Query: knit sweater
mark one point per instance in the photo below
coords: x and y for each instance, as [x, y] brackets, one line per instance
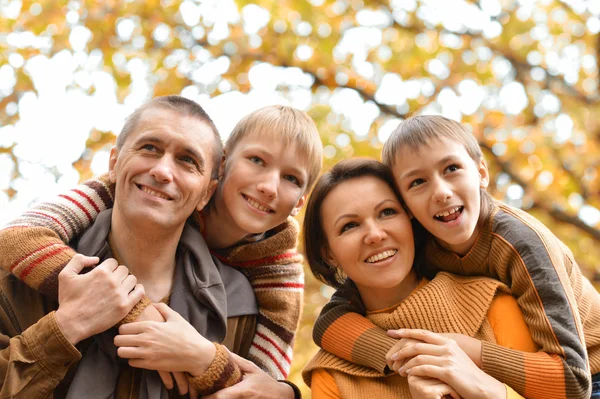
[560, 306]
[446, 304]
[34, 249]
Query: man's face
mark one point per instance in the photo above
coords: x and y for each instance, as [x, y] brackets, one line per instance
[163, 171]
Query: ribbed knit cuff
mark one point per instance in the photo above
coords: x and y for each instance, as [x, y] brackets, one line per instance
[221, 373]
[502, 364]
[136, 311]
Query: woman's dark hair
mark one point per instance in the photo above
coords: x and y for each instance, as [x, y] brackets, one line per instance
[312, 231]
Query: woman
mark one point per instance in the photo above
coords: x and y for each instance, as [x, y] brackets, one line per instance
[366, 243]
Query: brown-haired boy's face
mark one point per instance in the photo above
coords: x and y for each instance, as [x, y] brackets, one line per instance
[440, 184]
[264, 183]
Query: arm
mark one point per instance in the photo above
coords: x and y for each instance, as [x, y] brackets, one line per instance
[363, 342]
[544, 278]
[35, 245]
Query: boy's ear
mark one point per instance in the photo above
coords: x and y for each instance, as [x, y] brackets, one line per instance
[212, 186]
[222, 165]
[484, 174]
[112, 161]
[298, 205]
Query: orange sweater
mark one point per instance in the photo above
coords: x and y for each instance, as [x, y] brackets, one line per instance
[506, 320]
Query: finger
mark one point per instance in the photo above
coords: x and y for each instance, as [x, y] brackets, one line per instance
[136, 294]
[120, 273]
[166, 378]
[137, 327]
[245, 365]
[129, 283]
[422, 360]
[182, 383]
[419, 349]
[125, 340]
[193, 392]
[428, 370]
[421, 335]
[109, 264]
[130, 352]
[166, 311]
[80, 262]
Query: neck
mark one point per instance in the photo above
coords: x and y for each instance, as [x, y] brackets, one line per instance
[220, 230]
[378, 298]
[148, 251]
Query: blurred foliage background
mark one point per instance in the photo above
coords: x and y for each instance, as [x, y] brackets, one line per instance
[523, 74]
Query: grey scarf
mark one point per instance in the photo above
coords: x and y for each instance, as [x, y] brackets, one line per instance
[198, 296]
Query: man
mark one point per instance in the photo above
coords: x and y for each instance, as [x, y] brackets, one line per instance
[164, 166]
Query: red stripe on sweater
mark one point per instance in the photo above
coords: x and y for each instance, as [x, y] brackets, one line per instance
[266, 352]
[285, 356]
[79, 206]
[278, 285]
[251, 263]
[89, 199]
[29, 254]
[49, 217]
[32, 266]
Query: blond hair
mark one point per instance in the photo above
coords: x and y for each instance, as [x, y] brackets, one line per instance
[292, 126]
[418, 131]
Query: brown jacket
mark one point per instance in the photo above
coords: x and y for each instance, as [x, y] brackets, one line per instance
[37, 361]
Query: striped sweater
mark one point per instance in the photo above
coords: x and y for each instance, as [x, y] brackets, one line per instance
[34, 249]
[560, 306]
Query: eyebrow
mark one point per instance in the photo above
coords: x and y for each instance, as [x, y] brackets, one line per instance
[415, 172]
[351, 215]
[189, 150]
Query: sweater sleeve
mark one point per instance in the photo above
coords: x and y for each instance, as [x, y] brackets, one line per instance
[35, 245]
[343, 330]
[544, 279]
[279, 291]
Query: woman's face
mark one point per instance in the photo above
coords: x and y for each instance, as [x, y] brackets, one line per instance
[369, 236]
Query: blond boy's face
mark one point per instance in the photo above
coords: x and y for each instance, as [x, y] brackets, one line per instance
[264, 183]
[440, 184]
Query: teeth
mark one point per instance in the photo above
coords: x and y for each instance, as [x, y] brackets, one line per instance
[257, 205]
[154, 193]
[450, 212]
[380, 256]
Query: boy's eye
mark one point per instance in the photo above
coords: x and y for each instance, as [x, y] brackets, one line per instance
[452, 168]
[348, 226]
[416, 182]
[388, 212]
[256, 160]
[293, 179]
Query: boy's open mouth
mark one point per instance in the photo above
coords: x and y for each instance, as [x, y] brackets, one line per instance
[449, 215]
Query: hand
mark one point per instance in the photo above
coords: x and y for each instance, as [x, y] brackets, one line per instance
[173, 345]
[429, 388]
[150, 313]
[392, 359]
[256, 384]
[442, 358]
[93, 302]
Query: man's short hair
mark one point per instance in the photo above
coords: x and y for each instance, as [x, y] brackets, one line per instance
[291, 125]
[184, 107]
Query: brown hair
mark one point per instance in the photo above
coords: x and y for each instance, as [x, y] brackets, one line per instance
[313, 232]
[184, 107]
[291, 125]
[419, 131]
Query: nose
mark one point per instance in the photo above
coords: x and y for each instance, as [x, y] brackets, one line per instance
[375, 233]
[442, 191]
[162, 171]
[268, 184]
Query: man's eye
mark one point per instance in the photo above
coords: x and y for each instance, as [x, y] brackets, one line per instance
[292, 179]
[188, 159]
[149, 147]
[416, 182]
[256, 160]
[348, 226]
[388, 212]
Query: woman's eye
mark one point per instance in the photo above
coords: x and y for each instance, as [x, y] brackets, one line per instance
[292, 179]
[388, 212]
[416, 182]
[348, 226]
[256, 160]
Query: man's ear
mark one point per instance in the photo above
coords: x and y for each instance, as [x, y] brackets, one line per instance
[484, 174]
[112, 161]
[210, 190]
[298, 205]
